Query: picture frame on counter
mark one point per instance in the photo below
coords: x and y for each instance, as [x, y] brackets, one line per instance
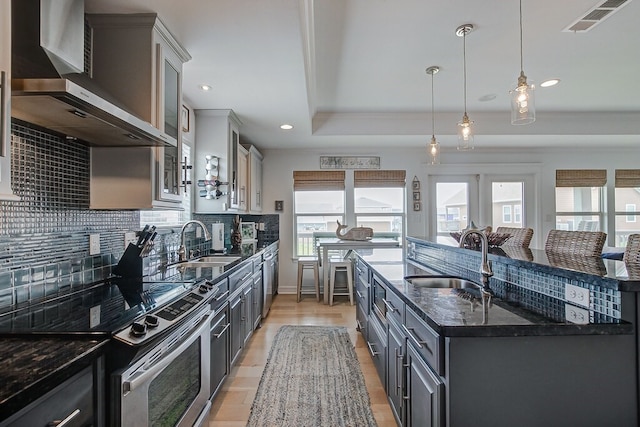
[184, 118]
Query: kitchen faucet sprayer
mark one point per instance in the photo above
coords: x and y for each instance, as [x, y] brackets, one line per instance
[485, 266]
[182, 251]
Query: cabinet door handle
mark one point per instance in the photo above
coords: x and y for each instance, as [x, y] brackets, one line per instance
[359, 294]
[219, 297]
[218, 335]
[359, 325]
[65, 421]
[373, 352]
[399, 356]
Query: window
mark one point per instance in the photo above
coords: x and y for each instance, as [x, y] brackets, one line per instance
[452, 209]
[318, 202]
[506, 214]
[630, 207]
[379, 201]
[627, 200]
[506, 203]
[580, 199]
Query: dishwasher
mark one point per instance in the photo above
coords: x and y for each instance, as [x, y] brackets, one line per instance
[269, 271]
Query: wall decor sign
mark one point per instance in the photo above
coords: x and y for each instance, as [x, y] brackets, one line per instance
[417, 206]
[349, 162]
[279, 205]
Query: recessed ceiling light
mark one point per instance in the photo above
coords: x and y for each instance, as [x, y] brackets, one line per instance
[205, 87]
[286, 127]
[550, 82]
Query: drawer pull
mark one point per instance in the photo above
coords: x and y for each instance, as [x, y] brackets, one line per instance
[219, 297]
[67, 420]
[390, 306]
[359, 325]
[411, 334]
[373, 352]
[359, 294]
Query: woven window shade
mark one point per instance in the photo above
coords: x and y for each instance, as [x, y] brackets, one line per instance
[627, 178]
[379, 178]
[318, 180]
[581, 177]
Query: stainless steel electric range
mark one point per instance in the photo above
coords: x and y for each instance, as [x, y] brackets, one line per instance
[159, 355]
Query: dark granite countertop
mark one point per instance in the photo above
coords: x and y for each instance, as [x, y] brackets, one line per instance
[33, 366]
[452, 312]
[618, 275]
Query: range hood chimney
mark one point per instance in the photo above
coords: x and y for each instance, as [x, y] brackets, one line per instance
[51, 87]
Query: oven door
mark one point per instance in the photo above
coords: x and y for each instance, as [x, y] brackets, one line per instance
[169, 385]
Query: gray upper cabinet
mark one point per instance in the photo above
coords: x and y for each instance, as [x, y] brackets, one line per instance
[138, 61]
[217, 138]
[5, 103]
[255, 179]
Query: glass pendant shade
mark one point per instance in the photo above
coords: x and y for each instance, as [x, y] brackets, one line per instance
[465, 133]
[523, 106]
[434, 151]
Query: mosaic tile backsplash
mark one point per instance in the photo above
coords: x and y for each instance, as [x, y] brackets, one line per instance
[44, 237]
[536, 290]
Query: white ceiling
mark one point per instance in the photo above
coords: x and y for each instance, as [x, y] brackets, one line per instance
[351, 73]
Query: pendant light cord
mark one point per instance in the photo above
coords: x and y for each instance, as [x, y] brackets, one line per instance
[433, 120]
[521, 61]
[464, 67]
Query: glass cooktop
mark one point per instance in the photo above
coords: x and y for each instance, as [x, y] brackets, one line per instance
[101, 309]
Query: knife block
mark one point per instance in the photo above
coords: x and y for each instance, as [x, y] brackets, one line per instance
[130, 264]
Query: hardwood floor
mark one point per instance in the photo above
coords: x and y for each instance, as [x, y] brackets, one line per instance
[232, 405]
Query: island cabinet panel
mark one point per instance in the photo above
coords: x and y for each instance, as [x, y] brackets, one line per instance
[540, 380]
[396, 350]
[425, 392]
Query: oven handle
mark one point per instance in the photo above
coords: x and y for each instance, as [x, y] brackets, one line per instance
[143, 374]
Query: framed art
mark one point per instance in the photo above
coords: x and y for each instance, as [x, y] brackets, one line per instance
[416, 195]
[415, 184]
[279, 205]
[184, 118]
[417, 206]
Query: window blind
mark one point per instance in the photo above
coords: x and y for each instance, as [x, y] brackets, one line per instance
[581, 177]
[379, 178]
[318, 180]
[627, 178]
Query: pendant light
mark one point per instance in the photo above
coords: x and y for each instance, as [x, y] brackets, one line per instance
[434, 146]
[523, 108]
[465, 126]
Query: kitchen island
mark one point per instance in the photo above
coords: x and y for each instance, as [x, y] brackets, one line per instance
[526, 357]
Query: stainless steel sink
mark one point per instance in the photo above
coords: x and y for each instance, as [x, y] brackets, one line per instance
[211, 261]
[218, 259]
[441, 282]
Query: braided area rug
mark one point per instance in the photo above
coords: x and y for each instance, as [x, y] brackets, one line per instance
[312, 379]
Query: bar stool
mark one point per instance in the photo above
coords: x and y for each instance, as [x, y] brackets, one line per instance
[340, 265]
[308, 264]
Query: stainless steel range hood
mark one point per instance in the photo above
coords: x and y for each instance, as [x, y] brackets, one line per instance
[51, 89]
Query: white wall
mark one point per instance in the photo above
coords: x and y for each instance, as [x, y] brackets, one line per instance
[279, 164]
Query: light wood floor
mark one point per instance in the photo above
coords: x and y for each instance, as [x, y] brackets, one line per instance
[232, 405]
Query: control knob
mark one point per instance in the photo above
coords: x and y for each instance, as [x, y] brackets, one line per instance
[151, 321]
[138, 329]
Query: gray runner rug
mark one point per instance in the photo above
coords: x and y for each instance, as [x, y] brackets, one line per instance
[312, 378]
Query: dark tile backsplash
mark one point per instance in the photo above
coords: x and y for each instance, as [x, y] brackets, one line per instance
[44, 237]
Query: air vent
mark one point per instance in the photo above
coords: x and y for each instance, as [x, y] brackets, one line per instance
[596, 15]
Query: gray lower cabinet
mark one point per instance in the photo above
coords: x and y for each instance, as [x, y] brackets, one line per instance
[220, 341]
[256, 299]
[247, 312]
[395, 370]
[237, 336]
[79, 401]
[377, 343]
[425, 392]
[362, 298]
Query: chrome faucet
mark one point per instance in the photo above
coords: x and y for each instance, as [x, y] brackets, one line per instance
[485, 266]
[182, 251]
